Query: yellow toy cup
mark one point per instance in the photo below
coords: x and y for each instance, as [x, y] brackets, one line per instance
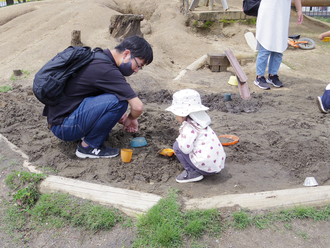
[233, 80]
[126, 155]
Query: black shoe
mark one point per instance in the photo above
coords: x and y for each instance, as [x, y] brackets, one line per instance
[102, 152]
[274, 81]
[261, 83]
[189, 176]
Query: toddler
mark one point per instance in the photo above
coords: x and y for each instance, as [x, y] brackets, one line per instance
[198, 148]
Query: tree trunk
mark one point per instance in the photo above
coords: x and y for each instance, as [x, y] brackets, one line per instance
[76, 38]
[122, 26]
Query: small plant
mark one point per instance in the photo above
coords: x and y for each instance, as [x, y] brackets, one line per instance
[252, 21]
[28, 195]
[18, 179]
[226, 21]
[48, 169]
[241, 220]
[25, 74]
[5, 88]
[208, 24]
[303, 235]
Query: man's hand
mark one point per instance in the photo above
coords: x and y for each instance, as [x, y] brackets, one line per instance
[122, 119]
[131, 125]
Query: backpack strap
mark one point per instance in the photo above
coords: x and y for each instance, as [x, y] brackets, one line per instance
[99, 54]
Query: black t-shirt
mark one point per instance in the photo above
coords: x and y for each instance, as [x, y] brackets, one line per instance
[96, 78]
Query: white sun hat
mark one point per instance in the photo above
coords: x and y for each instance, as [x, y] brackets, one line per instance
[188, 102]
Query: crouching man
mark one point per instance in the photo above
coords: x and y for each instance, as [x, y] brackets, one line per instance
[98, 97]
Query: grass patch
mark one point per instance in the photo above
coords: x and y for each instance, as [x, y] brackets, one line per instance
[5, 88]
[59, 210]
[25, 74]
[17, 179]
[323, 19]
[47, 169]
[28, 210]
[165, 225]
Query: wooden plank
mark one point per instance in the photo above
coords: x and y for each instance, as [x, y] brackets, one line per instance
[237, 68]
[129, 201]
[243, 90]
[240, 74]
[311, 196]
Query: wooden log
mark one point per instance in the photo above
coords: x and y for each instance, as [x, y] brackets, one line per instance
[311, 196]
[76, 38]
[122, 26]
[129, 201]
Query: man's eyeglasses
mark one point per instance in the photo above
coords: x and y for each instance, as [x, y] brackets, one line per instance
[140, 67]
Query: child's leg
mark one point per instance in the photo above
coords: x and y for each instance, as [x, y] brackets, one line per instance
[183, 158]
[326, 97]
[323, 102]
[186, 162]
[189, 175]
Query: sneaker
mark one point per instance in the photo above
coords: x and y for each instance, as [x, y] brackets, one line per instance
[189, 176]
[321, 106]
[102, 152]
[261, 83]
[274, 81]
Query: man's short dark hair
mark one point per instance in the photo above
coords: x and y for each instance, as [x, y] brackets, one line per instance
[139, 48]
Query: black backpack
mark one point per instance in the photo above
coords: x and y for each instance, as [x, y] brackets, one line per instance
[49, 82]
[251, 7]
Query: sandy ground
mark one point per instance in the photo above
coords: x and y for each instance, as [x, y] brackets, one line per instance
[283, 136]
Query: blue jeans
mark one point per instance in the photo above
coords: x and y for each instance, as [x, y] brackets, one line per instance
[93, 120]
[275, 60]
[186, 162]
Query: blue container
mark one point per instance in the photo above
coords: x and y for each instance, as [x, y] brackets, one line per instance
[138, 142]
[227, 97]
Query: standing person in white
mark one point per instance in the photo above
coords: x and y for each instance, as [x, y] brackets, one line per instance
[272, 38]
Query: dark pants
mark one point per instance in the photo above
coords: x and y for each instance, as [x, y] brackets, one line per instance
[93, 120]
[326, 98]
[186, 162]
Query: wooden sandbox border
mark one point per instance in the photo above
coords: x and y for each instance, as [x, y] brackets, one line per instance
[134, 202]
